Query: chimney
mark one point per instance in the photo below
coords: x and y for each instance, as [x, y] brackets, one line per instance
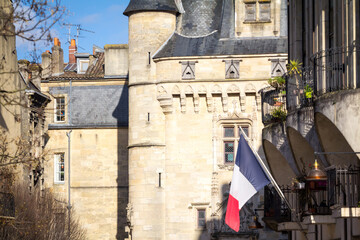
[46, 64]
[57, 63]
[116, 60]
[72, 51]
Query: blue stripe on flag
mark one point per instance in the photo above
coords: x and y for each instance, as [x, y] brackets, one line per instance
[249, 165]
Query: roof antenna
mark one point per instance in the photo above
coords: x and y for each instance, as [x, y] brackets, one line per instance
[78, 31]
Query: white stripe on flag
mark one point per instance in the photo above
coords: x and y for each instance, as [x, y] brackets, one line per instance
[241, 188]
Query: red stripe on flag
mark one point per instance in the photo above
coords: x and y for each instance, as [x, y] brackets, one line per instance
[232, 218]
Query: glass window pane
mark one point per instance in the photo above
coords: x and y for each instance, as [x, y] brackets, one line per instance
[201, 223]
[229, 132]
[229, 157]
[245, 129]
[229, 146]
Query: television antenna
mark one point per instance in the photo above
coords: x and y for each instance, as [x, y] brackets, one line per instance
[78, 31]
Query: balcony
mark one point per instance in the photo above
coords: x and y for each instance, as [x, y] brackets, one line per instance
[337, 197]
[273, 105]
[7, 205]
[330, 70]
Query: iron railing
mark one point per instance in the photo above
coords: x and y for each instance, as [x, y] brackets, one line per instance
[343, 186]
[330, 70]
[334, 68]
[7, 205]
[274, 207]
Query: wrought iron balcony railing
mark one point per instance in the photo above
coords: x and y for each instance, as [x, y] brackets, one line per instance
[330, 70]
[344, 186]
[341, 189]
[273, 105]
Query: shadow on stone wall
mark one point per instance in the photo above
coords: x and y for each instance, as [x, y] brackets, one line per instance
[121, 114]
[217, 229]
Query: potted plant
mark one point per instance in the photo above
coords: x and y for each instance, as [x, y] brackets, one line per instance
[277, 82]
[278, 114]
[308, 91]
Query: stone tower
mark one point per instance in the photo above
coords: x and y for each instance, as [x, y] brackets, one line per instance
[195, 71]
[150, 24]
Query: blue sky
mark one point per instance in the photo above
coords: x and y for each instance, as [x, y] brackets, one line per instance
[105, 18]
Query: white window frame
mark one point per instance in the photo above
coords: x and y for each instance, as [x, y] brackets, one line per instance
[56, 109]
[81, 63]
[57, 159]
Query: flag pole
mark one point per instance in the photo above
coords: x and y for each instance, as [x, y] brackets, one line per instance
[272, 180]
[267, 172]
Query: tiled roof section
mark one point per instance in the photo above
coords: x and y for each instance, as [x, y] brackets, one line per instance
[180, 46]
[200, 17]
[150, 5]
[97, 69]
[94, 71]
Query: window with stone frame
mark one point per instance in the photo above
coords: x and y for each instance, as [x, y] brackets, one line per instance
[231, 136]
[257, 10]
[59, 168]
[201, 218]
[264, 11]
[250, 11]
[59, 109]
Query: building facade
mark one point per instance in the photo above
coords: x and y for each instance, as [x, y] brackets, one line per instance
[150, 131]
[195, 69]
[88, 132]
[322, 105]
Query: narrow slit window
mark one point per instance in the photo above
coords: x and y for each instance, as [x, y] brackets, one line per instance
[201, 218]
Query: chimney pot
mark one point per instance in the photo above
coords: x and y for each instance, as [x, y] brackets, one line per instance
[72, 51]
[73, 42]
[56, 42]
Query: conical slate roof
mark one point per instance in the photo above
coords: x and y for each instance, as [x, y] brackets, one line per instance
[150, 5]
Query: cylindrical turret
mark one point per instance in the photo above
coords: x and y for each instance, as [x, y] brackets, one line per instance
[151, 23]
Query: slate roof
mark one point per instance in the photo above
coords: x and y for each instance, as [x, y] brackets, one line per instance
[150, 5]
[94, 71]
[207, 28]
[180, 46]
[95, 106]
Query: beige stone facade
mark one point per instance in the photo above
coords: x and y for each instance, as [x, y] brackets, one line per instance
[176, 128]
[164, 176]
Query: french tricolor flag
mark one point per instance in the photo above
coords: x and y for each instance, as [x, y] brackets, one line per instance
[248, 178]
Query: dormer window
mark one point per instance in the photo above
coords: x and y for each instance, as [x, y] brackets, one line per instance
[257, 11]
[188, 70]
[232, 69]
[82, 62]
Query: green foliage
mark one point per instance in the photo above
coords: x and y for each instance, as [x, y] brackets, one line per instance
[277, 82]
[278, 114]
[294, 67]
[308, 91]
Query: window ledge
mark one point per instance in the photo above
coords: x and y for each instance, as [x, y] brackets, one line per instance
[59, 183]
[256, 21]
[226, 166]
